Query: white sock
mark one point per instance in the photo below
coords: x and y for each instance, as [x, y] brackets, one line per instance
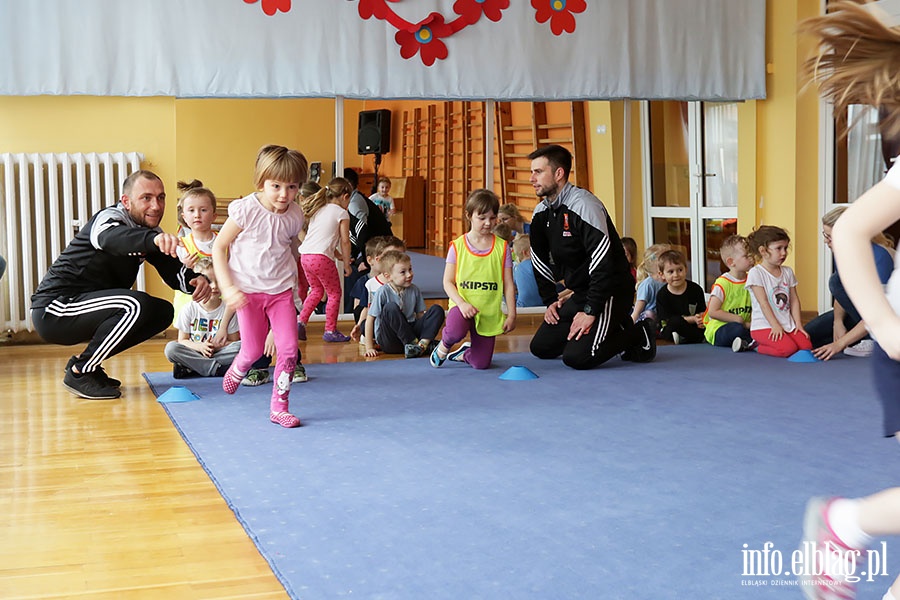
[843, 516]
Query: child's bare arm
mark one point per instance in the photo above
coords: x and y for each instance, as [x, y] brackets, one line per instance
[370, 336]
[760, 295]
[716, 312]
[795, 311]
[509, 292]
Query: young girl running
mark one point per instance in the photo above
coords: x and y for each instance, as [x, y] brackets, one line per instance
[195, 212]
[255, 263]
[477, 277]
[775, 320]
[857, 65]
[329, 225]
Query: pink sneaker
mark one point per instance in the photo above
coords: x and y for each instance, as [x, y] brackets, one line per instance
[231, 381]
[335, 336]
[826, 581]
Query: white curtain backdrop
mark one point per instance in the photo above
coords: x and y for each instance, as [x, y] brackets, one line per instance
[689, 49]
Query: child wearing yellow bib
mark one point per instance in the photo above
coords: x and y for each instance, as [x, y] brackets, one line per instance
[477, 278]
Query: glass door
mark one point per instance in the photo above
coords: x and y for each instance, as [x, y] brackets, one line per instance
[690, 172]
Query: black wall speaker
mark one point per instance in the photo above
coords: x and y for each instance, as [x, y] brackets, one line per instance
[374, 131]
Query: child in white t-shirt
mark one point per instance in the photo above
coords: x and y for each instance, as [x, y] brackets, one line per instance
[775, 320]
[382, 198]
[198, 351]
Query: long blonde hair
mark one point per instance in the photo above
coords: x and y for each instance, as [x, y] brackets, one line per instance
[858, 60]
[336, 188]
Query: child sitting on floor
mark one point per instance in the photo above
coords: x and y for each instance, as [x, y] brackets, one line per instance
[649, 282]
[681, 303]
[198, 353]
[727, 318]
[365, 287]
[523, 273]
[397, 320]
[775, 322]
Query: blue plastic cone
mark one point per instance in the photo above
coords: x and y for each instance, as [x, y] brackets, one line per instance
[518, 373]
[803, 356]
[177, 393]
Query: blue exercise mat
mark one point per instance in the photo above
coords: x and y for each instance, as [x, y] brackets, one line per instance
[629, 481]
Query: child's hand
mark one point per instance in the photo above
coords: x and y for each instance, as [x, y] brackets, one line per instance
[269, 344]
[206, 348]
[371, 352]
[234, 298]
[354, 333]
[220, 339]
[190, 260]
[776, 333]
[803, 331]
[467, 310]
[509, 324]
[348, 269]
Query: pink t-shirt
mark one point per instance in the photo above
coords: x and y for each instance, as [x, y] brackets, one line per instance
[324, 231]
[260, 256]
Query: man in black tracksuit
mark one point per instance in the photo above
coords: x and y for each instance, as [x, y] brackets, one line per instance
[86, 295]
[573, 240]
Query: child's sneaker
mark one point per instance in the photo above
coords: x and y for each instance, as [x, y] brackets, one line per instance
[459, 355]
[413, 350]
[435, 358]
[299, 374]
[256, 377]
[182, 372]
[301, 331]
[827, 551]
[741, 345]
[676, 337]
[335, 336]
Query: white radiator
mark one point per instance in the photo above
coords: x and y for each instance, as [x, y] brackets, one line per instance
[44, 200]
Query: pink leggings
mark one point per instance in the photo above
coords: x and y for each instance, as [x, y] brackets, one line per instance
[785, 347]
[255, 318]
[323, 277]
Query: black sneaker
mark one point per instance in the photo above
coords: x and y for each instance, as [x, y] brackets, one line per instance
[645, 350]
[89, 385]
[183, 372]
[103, 376]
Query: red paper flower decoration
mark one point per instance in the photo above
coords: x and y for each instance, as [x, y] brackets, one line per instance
[374, 8]
[559, 13]
[425, 38]
[270, 7]
[471, 10]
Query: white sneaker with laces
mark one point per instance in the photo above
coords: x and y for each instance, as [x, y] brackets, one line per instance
[861, 348]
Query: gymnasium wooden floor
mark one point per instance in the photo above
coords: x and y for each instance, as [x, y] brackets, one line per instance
[102, 498]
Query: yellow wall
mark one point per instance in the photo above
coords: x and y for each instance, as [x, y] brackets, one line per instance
[787, 143]
[214, 140]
